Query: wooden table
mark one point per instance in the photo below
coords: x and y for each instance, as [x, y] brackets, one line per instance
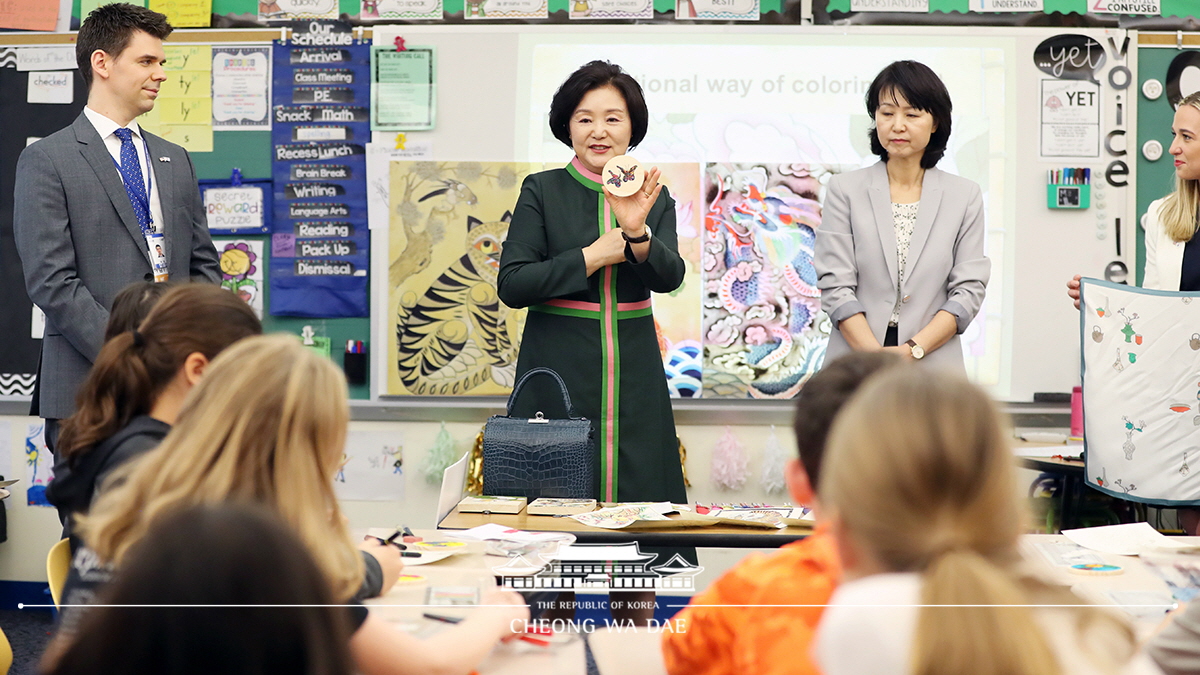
[712, 536]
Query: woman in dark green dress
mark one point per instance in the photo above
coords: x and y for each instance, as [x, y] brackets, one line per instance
[584, 262]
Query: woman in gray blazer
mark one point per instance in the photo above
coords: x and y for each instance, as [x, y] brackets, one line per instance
[899, 253]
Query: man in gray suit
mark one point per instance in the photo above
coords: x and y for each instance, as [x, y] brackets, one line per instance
[94, 200]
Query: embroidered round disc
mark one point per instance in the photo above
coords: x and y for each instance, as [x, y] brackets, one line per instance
[623, 175]
[1096, 569]
[447, 546]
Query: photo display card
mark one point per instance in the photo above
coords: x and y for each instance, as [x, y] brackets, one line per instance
[1141, 392]
[321, 125]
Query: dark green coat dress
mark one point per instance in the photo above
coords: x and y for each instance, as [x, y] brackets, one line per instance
[597, 332]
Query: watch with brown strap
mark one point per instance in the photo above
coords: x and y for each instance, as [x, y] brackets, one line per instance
[918, 352]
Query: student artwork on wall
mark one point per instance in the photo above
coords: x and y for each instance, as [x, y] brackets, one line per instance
[372, 467]
[1141, 392]
[242, 270]
[677, 314]
[39, 465]
[764, 332]
[453, 336]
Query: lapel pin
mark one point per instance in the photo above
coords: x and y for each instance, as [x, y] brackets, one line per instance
[164, 159]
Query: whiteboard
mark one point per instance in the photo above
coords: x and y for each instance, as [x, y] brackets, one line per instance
[495, 85]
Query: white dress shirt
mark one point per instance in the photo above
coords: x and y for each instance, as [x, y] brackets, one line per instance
[107, 128]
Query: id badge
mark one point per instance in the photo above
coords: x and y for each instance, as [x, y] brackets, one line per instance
[158, 256]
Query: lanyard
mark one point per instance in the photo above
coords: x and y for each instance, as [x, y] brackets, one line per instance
[144, 198]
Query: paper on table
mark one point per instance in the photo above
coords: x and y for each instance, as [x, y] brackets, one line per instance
[1047, 450]
[1126, 539]
[494, 531]
[1143, 604]
[623, 515]
[1065, 554]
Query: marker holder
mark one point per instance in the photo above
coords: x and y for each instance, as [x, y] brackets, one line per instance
[1068, 196]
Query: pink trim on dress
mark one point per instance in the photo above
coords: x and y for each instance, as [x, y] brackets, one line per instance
[586, 172]
[610, 380]
[595, 306]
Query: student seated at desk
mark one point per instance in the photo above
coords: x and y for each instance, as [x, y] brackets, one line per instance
[267, 426]
[133, 392]
[919, 493]
[214, 555]
[736, 636]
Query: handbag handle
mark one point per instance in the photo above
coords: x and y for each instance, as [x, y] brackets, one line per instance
[512, 399]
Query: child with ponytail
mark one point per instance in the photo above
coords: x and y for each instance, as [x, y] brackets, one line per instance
[130, 398]
[919, 490]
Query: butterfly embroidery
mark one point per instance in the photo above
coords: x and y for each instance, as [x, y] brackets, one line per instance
[626, 176]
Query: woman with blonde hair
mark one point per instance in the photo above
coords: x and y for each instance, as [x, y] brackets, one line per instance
[267, 426]
[918, 487]
[1172, 249]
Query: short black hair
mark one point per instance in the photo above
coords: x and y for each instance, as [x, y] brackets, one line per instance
[824, 395]
[109, 29]
[923, 90]
[591, 76]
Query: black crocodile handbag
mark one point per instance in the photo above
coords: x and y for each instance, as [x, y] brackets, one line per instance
[539, 457]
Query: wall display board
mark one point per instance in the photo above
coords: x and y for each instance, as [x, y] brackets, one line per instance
[319, 250]
[1141, 397]
[733, 100]
[23, 122]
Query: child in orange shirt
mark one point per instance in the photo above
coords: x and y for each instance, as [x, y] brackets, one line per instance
[769, 605]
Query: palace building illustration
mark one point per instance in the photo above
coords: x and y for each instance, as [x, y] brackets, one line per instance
[598, 567]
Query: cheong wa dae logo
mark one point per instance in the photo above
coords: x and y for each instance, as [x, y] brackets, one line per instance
[597, 567]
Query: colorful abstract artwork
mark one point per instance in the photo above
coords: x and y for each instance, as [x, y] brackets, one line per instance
[763, 330]
[677, 314]
[447, 225]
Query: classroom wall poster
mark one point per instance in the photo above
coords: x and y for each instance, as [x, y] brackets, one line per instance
[1070, 118]
[403, 88]
[764, 331]
[505, 9]
[320, 246]
[610, 9]
[6, 449]
[39, 465]
[401, 9]
[293, 10]
[185, 13]
[241, 91]
[372, 467]
[242, 270]
[1141, 397]
[727, 10]
[182, 113]
[448, 224]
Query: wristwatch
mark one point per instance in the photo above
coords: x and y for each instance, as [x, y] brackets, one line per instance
[638, 240]
[918, 352]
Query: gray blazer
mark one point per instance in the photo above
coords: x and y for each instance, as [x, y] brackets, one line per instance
[856, 257]
[80, 244]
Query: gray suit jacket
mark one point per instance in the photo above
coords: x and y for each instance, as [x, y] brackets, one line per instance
[856, 257]
[80, 244]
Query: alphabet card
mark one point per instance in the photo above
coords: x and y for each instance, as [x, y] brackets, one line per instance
[1141, 392]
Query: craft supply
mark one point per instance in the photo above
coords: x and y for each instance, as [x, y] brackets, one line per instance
[623, 175]
[1096, 569]
[447, 546]
[491, 504]
[1069, 188]
[443, 619]
[409, 580]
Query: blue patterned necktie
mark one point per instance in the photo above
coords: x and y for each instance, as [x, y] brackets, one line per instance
[131, 176]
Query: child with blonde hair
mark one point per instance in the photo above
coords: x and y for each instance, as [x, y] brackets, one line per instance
[267, 426]
[919, 492]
